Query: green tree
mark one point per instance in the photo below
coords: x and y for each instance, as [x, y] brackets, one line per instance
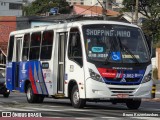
[151, 10]
[42, 6]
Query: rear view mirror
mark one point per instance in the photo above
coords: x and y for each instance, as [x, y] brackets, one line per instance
[74, 40]
[149, 43]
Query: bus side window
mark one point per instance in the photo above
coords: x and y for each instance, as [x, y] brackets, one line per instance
[75, 47]
[47, 43]
[35, 46]
[25, 47]
[10, 49]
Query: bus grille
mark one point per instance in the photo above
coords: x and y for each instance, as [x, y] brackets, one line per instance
[128, 81]
[122, 90]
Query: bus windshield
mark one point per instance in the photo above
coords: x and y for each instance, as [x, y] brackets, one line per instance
[115, 43]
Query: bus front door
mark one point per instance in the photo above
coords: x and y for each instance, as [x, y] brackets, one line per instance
[61, 59]
[17, 55]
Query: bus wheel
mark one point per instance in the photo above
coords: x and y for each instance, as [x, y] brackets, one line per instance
[75, 100]
[40, 99]
[6, 94]
[31, 97]
[133, 104]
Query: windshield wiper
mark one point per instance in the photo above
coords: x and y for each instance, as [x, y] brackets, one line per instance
[107, 59]
[109, 53]
[126, 49]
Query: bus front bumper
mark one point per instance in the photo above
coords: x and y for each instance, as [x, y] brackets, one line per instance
[99, 90]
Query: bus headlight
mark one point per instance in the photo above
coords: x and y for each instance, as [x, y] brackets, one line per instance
[95, 76]
[147, 77]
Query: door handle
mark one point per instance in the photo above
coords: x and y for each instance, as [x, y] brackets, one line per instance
[61, 63]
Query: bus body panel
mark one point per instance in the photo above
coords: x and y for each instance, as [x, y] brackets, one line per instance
[32, 71]
[76, 73]
[10, 75]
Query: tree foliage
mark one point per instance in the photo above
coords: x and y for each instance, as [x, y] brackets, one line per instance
[150, 9]
[42, 6]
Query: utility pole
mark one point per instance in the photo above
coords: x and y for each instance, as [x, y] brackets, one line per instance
[104, 10]
[136, 12]
[24, 4]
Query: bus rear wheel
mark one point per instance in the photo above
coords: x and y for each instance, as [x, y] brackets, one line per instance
[40, 98]
[6, 94]
[31, 97]
[133, 104]
[76, 101]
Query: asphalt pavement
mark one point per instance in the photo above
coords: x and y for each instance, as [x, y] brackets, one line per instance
[62, 109]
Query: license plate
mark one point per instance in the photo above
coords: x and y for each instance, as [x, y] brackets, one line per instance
[122, 95]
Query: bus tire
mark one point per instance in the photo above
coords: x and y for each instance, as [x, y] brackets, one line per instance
[133, 104]
[40, 99]
[75, 100]
[31, 97]
[6, 94]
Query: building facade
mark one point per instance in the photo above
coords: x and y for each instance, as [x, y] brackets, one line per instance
[100, 3]
[11, 7]
[75, 2]
[117, 5]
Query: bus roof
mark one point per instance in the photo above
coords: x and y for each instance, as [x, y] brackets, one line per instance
[71, 24]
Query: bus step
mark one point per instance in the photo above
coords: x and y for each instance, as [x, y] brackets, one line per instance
[59, 95]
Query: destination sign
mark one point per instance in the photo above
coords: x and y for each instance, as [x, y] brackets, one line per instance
[98, 32]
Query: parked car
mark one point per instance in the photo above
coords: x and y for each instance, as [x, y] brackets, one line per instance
[3, 89]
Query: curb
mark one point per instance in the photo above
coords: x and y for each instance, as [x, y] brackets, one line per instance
[15, 91]
[156, 81]
[152, 100]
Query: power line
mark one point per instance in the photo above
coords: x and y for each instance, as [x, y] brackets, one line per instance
[103, 9]
[101, 4]
[88, 8]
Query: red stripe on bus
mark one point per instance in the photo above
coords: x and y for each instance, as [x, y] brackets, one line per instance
[32, 82]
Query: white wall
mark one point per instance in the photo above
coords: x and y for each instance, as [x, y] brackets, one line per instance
[5, 11]
[96, 3]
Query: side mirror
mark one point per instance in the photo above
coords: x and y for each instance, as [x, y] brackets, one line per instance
[74, 40]
[149, 43]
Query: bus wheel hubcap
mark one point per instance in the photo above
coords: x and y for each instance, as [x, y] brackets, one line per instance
[29, 93]
[76, 97]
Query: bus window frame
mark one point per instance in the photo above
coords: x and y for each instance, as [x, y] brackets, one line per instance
[22, 57]
[9, 59]
[68, 52]
[48, 45]
[32, 46]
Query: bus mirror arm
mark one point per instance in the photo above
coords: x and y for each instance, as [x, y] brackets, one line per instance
[149, 43]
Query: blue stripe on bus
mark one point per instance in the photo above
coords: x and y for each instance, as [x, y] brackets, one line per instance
[37, 75]
[129, 74]
[41, 78]
[37, 81]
